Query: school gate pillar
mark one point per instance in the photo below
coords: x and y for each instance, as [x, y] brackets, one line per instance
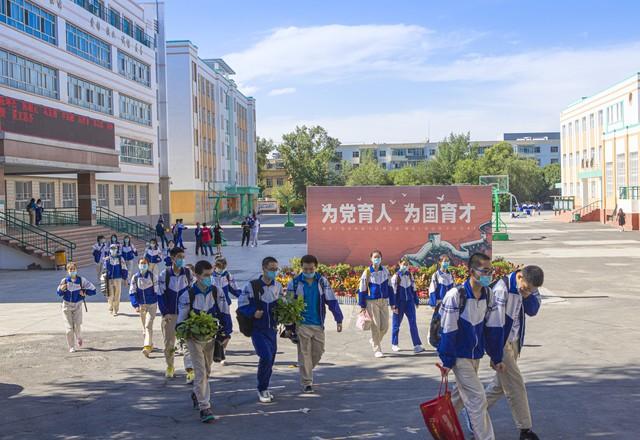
[87, 202]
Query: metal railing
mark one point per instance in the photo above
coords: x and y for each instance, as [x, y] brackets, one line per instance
[120, 223]
[27, 235]
[630, 192]
[50, 216]
[586, 209]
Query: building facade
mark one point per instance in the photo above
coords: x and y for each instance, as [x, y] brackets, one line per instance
[600, 136]
[274, 176]
[78, 107]
[212, 137]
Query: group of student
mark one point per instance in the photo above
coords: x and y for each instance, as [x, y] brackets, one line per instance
[250, 228]
[477, 317]
[206, 236]
[34, 210]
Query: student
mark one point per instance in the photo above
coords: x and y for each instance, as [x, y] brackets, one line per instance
[100, 251]
[217, 238]
[255, 228]
[621, 217]
[143, 293]
[441, 283]
[317, 294]
[172, 282]
[179, 228]
[198, 234]
[206, 240]
[227, 287]
[373, 296]
[31, 210]
[472, 322]
[129, 253]
[202, 297]
[160, 232]
[153, 255]
[114, 240]
[519, 292]
[39, 211]
[167, 253]
[116, 272]
[73, 290]
[246, 231]
[263, 337]
[404, 301]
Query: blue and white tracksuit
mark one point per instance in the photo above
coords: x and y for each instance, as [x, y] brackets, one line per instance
[154, 256]
[405, 299]
[227, 287]
[264, 336]
[374, 284]
[143, 294]
[72, 305]
[100, 251]
[129, 254]
[179, 284]
[179, 228]
[166, 257]
[115, 268]
[441, 283]
[328, 298]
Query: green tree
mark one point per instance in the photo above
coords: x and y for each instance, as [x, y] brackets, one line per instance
[285, 195]
[263, 148]
[409, 175]
[552, 175]
[496, 158]
[368, 173]
[441, 168]
[526, 180]
[309, 156]
[468, 171]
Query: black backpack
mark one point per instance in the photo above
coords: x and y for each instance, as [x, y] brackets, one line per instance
[245, 323]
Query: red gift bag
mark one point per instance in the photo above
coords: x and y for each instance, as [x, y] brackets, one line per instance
[440, 416]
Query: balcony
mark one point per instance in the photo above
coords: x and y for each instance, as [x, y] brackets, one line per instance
[629, 193]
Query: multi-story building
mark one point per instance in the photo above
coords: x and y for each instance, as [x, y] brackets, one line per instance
[78, 112]
[274, 175]
[541, 147]
[600, 137]
[212, 137]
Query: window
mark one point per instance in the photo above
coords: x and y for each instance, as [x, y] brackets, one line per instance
[114, 19]
[47, 195]
[608, 169]
[592, 121]
[398, 152]
[621, 177]
[88, 47]
[103, 195]
[593, 189]
[555, 149]
[570, 159]
[133, 69]
[135, 151]
[382, 153]
[23, 194]
[135, 110]
[27, 17]
[118, 195]
[68, 195]
[339, 155]
[600, 120]
[614, 113]
[279, 181]
[127, 26]
[30, 76]
[584, 125]
[144, 195]
[355, 154]
[96, 7]
[554, 161]
[633, 169]
[432, 151]
[536, 149]
[269, 182]
[90, 95]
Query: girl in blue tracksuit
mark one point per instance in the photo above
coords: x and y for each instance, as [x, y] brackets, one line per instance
[129, 254]
[263, 337]
[404, 301]
[143, 293]
[167, 253]
[100, 251]
[227, 287]
[73, 290]
[441, 283]
[153, 255]
[373, 297]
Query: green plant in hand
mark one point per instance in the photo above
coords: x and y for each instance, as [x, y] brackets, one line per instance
[289, 309]
[199, 326]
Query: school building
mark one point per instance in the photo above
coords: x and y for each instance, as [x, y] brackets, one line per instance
[600, 136]
[212, 160]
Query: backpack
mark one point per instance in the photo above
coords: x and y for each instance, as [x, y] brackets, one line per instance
[167, 280]
[245, 323]
[435, 327]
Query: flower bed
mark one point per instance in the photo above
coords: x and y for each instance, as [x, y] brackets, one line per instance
[345, 279]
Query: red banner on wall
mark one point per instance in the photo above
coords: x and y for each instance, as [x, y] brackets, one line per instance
[344, 224]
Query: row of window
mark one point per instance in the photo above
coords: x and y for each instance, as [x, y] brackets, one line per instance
[24, 74]
[90, 95]
[279, 182]
[27, 17]
[136, 152]
[135, 110]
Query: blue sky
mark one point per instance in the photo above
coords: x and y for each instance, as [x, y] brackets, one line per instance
[391, 71]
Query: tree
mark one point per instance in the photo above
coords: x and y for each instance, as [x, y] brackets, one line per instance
[409, 175]
[367, 174]
[468, 171]
[441, 168]
[496, 158]
[526, 180]
[552, 175]
[263, 148]
[308, 153]
[285, 195]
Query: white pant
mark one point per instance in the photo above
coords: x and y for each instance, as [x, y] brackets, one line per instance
[72, 321]
[469, 393]
[147, 315]
[202, 356]
[254, 236]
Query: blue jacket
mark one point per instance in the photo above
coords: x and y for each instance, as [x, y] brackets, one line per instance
[225, 282]
[167, 257]
[153, 255]
[403, 290]
[178, 284]
[100, 250]
[441, 283]
[374, 284]
[516, 307]
[203, 301]
[115, 268]
[478, 328]
[143, 289]
[327, 296]
[268, 299]
[72, 294]
[129, 252]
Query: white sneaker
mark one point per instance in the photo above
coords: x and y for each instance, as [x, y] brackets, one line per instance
[264, 397]
[223, 363]
[418, 349]
[378, 354]
[271, 396]
[72, 350]
[395, 348]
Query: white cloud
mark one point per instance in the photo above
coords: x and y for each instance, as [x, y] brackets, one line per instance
[283, 91]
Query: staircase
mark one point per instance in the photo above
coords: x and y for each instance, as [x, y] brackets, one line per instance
[587, 213]
[84, 238]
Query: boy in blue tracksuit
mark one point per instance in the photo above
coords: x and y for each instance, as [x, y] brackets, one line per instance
[472, 322]
[373, 297]
[100, 250]
[173, 282]
[143, 293]
[227, 287]
[179, 228]
[153, 254]
[115, 271]
[166, 253]
[441, 283]
[129, 254]
[73, 290]
[203, 297]
[263, 336]
[318, 295]
[404, 301]
[519, 291]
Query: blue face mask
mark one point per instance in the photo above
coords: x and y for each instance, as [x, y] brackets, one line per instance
[309, 275]
[180, 262]
[445, 265]
[402, 269]
[143, 268]
[377, 260]
[206, 281]
[272, 274]
[73, 273]
[485, 280]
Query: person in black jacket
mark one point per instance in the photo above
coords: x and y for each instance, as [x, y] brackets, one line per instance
[160, 232]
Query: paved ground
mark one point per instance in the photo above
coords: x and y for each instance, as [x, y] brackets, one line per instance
[581, 360]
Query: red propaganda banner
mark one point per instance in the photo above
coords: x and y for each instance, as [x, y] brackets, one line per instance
[344, 224]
